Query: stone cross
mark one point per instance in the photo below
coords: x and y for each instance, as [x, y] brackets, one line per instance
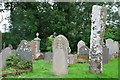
[37, 40]
[96, 39]
[60, 48]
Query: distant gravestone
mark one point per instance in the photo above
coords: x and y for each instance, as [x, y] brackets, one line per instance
[23, 51]
[60, 55]
[105, 55]
[48, 56]
[79, 45]
[4, 54]
[72, 58]
[33, 48]
[113, 48]
[84, 50]
[0, 41]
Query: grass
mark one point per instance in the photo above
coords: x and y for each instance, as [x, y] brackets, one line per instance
[42, 69]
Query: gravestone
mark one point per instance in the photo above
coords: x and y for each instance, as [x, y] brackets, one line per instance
[113, 48]
[83, 54]
[48, 56]
[96, 39]
[23, 51]
[105, 55]
[60, 48]
[79, 45]
[3, 55]
[72, 58]
[0, 41]
[33, 48]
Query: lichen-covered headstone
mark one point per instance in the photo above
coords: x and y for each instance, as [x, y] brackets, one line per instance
[23, 51]
[96, 39]
[60, 48]
[79, 45]
[3, 55]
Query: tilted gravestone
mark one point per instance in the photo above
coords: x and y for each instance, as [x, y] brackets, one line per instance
[33, 48]
[23, 51]
[79, 45]
[48, 56]
[60, 48]
[96, 39]
[105, 55]
[3, 55]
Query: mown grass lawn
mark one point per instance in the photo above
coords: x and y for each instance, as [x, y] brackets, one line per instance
[42, 69]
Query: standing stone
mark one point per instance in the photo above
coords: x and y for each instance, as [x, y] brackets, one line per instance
[105, 55]
[79, 45]
[3, 55]
[23, 51]
[60, 55]
[0, 41]
[37, 40]
[48, 56]
[96, 39]
[33, 48]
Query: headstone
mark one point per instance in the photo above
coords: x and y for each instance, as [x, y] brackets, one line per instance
[72, 58]
[105, 55]
[60, 55]
[37, 40]
[83, 54]
[23, 51]
[79, 45]
[0, 41]
[10, 46]
[113, 48]
[33, 48]
[3, 55]
[48, 56]
[96, 39]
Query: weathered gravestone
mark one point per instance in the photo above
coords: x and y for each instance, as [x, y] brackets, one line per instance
[72, 58]
[3, 55]
[79, 45]
[48, 56]
[33, 48]
[23, 51]
[96, 39]
[105, 55]
[60, 55]
[113, 48]
[0, 41]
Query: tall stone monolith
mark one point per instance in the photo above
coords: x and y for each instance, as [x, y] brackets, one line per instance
[96, 39]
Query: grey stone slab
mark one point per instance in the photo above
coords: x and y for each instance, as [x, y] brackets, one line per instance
[84, 50]
[60, 55]
[105, 55]
[48, 56]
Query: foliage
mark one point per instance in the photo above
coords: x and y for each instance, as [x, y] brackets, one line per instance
[42, 69]
[13, 61]
[70, 19]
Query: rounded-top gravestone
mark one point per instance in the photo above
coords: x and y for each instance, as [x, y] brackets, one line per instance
[60, 55]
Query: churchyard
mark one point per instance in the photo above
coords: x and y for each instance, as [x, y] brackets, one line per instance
[99, 60]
